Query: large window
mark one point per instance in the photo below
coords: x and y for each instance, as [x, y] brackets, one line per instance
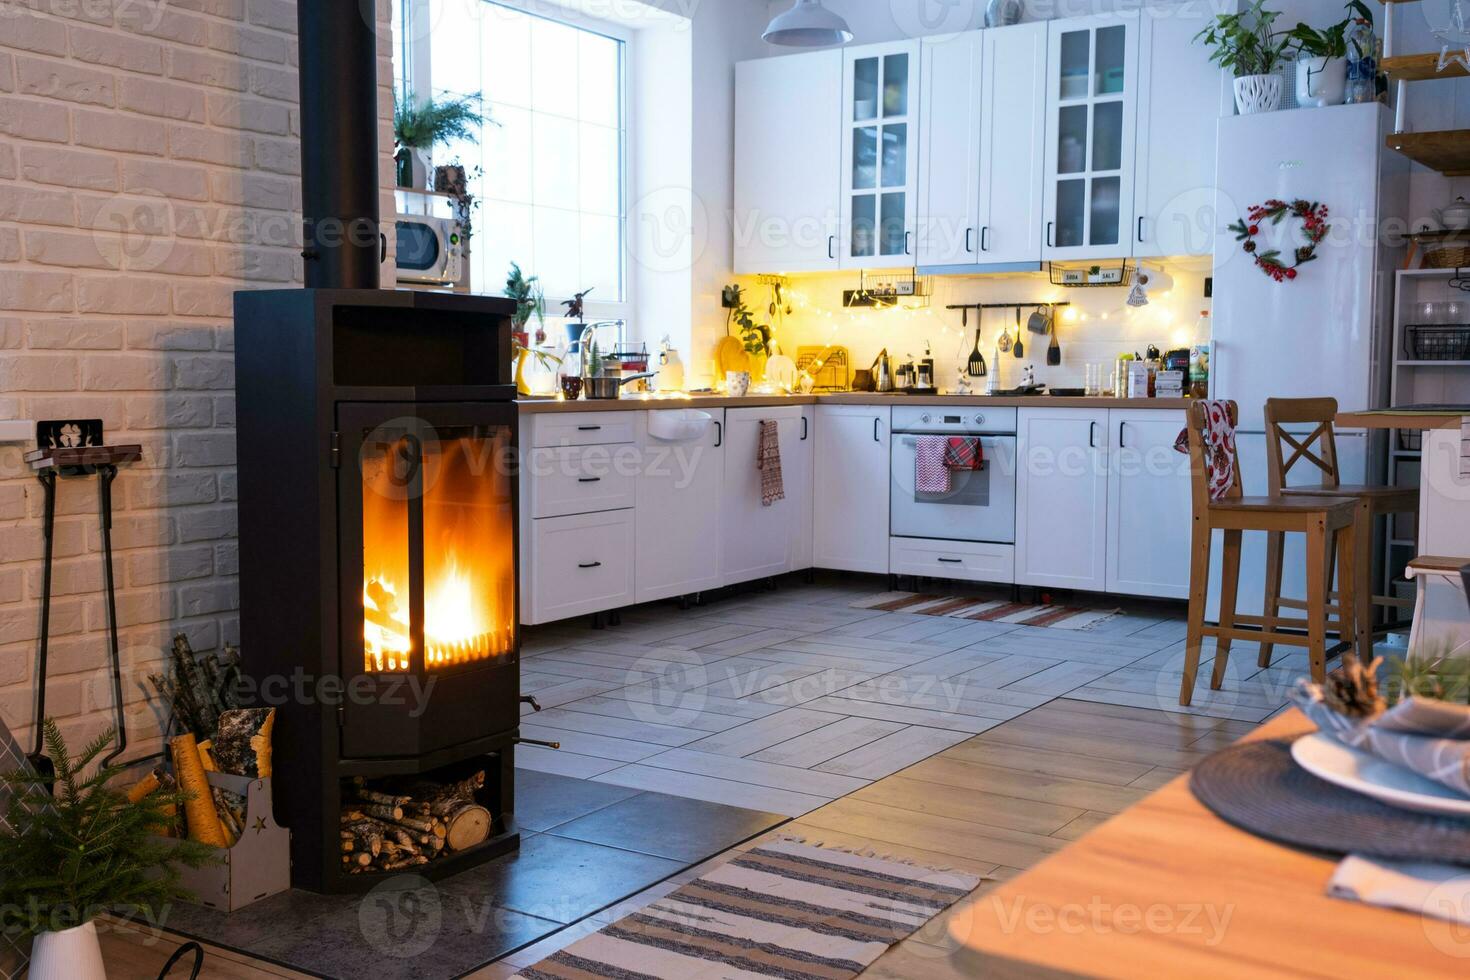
[552, 181]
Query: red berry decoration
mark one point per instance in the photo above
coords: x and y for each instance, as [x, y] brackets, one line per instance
[1313, 217]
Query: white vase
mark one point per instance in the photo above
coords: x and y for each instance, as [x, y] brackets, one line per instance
[422, 167]
[72, 954]
[1320, 81]
[1257, 93]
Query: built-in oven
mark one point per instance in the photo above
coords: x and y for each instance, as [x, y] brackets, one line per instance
[980, 504]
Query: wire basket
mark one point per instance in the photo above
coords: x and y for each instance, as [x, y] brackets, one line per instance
[1440, 343]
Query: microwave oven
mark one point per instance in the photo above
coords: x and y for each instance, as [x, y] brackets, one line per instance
[430, 249]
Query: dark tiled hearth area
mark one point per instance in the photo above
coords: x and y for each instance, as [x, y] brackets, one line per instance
[584, 846]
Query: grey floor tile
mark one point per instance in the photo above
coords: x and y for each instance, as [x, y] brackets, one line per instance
[671, 827]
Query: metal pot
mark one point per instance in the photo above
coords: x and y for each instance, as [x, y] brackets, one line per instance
[609, 387]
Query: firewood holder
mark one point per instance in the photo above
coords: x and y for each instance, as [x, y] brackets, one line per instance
[48, 465]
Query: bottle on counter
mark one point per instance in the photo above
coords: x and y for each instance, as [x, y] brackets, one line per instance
[1199, 358]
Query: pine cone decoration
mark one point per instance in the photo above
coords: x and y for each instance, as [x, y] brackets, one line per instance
[1352, 689]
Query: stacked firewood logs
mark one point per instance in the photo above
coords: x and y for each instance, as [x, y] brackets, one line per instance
[394, 828]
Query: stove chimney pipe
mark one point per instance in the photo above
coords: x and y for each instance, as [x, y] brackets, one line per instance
[339, 143]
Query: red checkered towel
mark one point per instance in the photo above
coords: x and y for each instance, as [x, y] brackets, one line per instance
[768, 461]
[931, 475]
[964, 453]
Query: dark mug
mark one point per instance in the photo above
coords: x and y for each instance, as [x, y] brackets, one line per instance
[571, 386]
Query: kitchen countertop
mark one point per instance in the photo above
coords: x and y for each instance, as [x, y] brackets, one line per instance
[1408, 417]
[635, 403]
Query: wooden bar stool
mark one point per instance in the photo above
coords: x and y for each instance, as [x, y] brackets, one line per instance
[1219, 504]
[1284, 450]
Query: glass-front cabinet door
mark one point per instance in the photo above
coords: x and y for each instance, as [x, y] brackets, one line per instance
[1092, 108]
[880, 99]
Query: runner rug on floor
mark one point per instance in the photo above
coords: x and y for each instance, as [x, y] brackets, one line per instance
[784, 909]
[988, 610]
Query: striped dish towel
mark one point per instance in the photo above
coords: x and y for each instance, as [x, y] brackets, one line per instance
[768, 461]
[931, 475]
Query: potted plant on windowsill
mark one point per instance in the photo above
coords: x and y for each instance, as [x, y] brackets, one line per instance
[419, 126]
[72, 847]
[1245, 44]
[1322, 58]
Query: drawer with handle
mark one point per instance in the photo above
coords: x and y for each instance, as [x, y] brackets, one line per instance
[580, 564]
[582, 428]
[582, 479]
[969, 561]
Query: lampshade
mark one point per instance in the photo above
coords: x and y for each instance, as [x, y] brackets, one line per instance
[807, 25]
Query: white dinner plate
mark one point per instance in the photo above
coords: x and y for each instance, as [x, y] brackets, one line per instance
[1350, 768]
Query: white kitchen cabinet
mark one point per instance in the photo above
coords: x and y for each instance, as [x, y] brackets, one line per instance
[580, 564]
[1091, 116]
[880, 159]
[1062, 498]
[1149, 506]
[757, 541]
[1179, 92]
[678, 512]
[788, 155]
[850, 503]
[982, 123]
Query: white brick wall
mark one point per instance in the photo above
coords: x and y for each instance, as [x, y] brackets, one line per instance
[149, 167]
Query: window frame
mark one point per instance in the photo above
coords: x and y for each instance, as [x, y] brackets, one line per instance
[417, 71]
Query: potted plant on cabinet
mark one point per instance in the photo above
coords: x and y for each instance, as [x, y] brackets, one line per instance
[419, 126]
[530, 302]
[72, 847]
[1245, 44]
[1322, 58]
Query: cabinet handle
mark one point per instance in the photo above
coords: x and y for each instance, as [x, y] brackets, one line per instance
[876, 423]
[831, 246]
[719, 435]
[968, 233]
[1120, 434]
[1140, 227]
[953, 561]
[589, 564]
[907, 236]
[985, 239]
[1048, 233]
[803, 428]
[1091, 435]
[589, 428]
[589, 479]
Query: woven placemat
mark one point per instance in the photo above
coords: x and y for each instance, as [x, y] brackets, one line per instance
[1258, 787]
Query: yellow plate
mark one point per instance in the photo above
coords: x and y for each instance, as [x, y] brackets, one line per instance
[731, 356]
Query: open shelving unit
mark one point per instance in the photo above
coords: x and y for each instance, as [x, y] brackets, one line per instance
[1445, 150]
[1414, 380]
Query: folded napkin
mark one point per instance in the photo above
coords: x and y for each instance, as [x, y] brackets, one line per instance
[1431, 738]
[1438, 890]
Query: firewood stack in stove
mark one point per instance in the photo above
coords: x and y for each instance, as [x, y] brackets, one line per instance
[399, 826]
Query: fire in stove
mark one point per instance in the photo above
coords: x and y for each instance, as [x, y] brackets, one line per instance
[468, 590]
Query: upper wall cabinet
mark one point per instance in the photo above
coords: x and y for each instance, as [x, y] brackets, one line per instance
[1092, 106]
[982, 111]
[1178, 106]
[880, 117]
[788, 132]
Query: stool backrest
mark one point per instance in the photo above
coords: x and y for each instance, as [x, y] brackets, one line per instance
[1198, 425]
[1285, 449]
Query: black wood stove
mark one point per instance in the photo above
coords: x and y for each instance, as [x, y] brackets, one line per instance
[376, 435]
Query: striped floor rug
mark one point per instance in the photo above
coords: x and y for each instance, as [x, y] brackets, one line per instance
[783, 909]
[988, 610]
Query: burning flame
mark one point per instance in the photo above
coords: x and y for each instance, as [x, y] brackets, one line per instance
[458, 627]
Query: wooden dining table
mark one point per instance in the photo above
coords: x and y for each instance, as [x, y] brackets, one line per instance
[1166, 889]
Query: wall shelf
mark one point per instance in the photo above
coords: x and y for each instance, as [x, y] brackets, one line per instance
[1447, 150]
[1433, 364]
[1420, 68]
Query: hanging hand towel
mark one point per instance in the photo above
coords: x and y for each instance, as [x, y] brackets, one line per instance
[768, 461]
[1219, 440]
[930, 473]
[964, 453]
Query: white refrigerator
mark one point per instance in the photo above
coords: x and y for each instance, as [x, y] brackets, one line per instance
[1325, 333]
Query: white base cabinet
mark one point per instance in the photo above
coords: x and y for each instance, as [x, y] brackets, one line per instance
[678, 502]
[580, 564]
[1062, 498]
[758, 541]
[1148, 505]
[850, 503]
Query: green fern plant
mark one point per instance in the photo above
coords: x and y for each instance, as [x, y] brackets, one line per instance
[530, 301]
[425, 124]
[73, 847]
